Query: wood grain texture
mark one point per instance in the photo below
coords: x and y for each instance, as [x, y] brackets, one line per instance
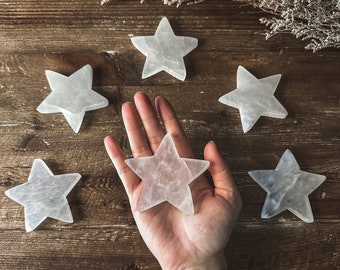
[65, 35]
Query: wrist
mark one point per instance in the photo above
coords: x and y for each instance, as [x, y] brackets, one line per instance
[217, 262]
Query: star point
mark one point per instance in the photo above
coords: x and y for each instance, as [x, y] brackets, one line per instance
[254, 98]
[44, 195]
[287, 188]
[166, 177]
[164, 51]
[72, 96]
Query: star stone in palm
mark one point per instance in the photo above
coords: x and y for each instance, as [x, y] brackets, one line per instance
[166, 177]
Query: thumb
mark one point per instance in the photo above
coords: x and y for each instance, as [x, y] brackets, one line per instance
[221, 175]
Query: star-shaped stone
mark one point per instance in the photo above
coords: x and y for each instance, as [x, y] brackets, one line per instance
[72, 96]
[166, 177]
[44, 195]
[164, 51]
[287, 188]
[254, 98]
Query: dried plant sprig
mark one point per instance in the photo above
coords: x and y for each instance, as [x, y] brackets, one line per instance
[167, 2]
[179, 2]
[317, 21]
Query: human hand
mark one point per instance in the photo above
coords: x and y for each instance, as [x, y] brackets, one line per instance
[178, 241]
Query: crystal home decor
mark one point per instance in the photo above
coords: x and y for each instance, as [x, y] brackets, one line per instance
[164, 51]
[72, 96]
[167, 176]
[287, 188]
[44, 195]
[254, 98]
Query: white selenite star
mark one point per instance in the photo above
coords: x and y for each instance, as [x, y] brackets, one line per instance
[287, 188]
[72, 96]
[164, 51]
[166, 177]
[254, 98]
[44, 195]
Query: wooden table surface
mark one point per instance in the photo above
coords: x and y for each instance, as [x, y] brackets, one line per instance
[65, 35]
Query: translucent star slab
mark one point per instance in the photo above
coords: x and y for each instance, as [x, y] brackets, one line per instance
[164, 51]
[254, 98]
[44, 195]
[72, 96]
[287, 188]
[166, 177]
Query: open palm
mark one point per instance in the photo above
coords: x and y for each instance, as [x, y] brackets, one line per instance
[178, 241]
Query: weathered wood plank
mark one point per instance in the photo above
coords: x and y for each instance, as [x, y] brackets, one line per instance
[295, 246]
[65, 35]
[94, 248]
[90, 27]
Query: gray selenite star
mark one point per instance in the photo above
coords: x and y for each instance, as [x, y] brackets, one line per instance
[44, 195]
[72, 96]
[287, 188]
[166, 177]
[164, 51]
[254, 98]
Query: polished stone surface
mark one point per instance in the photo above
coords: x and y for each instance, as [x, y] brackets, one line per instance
[166, 177]
[287, 188]
[254, 98]
[44, 195]
[72, 96]
[164, 51]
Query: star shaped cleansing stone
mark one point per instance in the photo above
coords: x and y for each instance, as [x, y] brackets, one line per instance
[44, 195]
[287, 188]
[72, 96]
[164, 51]
[166, 177]
[254, 98]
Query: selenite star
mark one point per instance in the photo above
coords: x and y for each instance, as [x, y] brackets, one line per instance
[166, 177]
[164, 51]
[72, 96]
[287, 188]
[254, 98]
[44, 195]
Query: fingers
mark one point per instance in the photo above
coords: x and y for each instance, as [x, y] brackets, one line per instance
[147, 113]
[144, 130]
[223, 180]
[135, 131]
[173, 127]
[129, 179]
